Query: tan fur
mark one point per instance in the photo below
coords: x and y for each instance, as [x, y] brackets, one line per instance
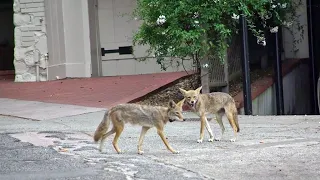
[143, 115]
[217, 103]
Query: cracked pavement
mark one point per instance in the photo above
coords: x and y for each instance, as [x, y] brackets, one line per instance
[268, 147]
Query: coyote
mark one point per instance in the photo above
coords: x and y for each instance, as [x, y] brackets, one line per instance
[217, 103]
[143, 115]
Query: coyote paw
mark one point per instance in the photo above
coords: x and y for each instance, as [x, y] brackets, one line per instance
[233, 140]
[217, 139]
[140, 152]
[175, 152]
[101, 150]
[211, 139]
[199, 141]
[120, 152]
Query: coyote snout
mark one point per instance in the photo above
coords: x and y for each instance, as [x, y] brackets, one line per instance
[172, 120]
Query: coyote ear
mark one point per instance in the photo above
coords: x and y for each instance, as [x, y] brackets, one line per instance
[180, 103]
[172, 104]
[183, 91]
[199, 89]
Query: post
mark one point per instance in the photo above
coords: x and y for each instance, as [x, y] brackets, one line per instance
[204, 73]
[277, 68]
[245, 67]
[312, 63]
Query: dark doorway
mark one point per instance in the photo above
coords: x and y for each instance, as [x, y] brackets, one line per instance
[314, 50]
[6, 37]
[315, 12]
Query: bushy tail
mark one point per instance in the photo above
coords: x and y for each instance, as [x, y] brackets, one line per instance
[102, 128]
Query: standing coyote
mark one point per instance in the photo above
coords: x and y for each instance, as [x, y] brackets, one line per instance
[217, 103]
[143, 115]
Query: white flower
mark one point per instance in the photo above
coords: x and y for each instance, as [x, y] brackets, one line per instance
[196, 22]
[205, 65]
[163, 33]
[196, 15]
[274, 6]
[170, 49]
[284, 5]
[234, 16]
[274, 30]
[161, 20]
[261, 41]
[288, 24]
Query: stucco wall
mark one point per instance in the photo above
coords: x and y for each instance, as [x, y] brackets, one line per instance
[30, 39]
[299, 49]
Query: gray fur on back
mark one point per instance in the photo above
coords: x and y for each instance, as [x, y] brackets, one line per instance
[140, 114]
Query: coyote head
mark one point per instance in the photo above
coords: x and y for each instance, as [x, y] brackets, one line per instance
[175, 111]
[191, 96]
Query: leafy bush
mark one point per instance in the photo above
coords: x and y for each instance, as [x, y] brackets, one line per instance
[199, 28]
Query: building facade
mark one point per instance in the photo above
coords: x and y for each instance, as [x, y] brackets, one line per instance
[57, 39]
[54, 39]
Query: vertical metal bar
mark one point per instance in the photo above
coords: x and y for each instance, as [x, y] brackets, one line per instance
[312, 64]
[245, 67]
[278, 76]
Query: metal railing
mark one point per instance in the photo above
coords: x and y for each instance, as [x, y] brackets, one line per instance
[221, 73]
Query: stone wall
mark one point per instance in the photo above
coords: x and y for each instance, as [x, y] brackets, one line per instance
[30, 40]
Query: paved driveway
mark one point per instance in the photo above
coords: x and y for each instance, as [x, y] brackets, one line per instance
[270, 147]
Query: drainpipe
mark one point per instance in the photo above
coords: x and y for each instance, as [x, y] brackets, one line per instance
[36, 56]
[46, 56]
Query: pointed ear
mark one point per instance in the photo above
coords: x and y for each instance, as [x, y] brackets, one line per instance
[199, 89]
[172, 104]
[184, 92]
[180, 103]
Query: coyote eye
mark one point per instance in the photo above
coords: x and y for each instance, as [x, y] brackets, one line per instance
[189, 97]
[194, 96]
[177, 112]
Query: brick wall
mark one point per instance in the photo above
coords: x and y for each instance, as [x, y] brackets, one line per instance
[30, 39]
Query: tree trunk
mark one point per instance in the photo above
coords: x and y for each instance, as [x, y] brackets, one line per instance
[204, 73]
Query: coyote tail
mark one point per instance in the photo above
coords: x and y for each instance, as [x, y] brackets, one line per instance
[102, 128]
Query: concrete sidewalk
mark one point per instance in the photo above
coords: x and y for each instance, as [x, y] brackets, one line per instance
[269, 147]
[39, 111]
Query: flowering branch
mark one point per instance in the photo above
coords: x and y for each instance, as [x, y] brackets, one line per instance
[199, 28]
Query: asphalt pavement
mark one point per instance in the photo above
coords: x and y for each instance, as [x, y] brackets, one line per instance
[268, 147]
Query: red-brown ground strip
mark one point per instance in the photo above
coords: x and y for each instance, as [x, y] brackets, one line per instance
[105, 92]
[102, 92]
